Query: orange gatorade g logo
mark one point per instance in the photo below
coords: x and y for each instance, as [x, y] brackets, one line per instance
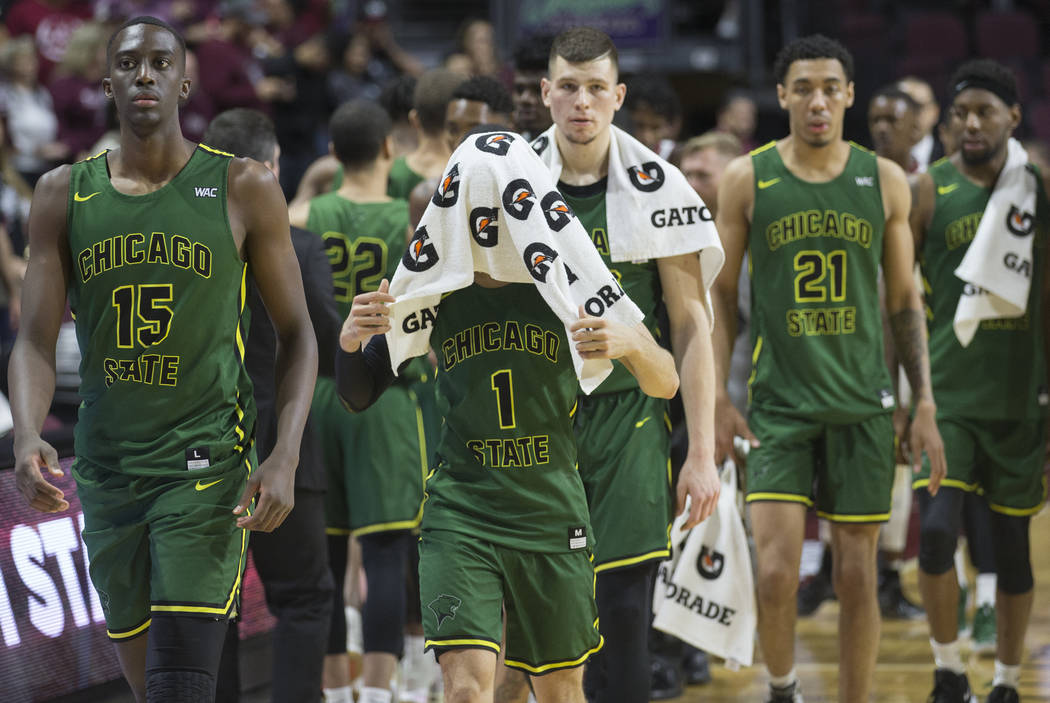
[647, 177]
[420, 254]
[556, 210]
[447, 192]
[483, 226]
[497, 143]
[538, 258]
[518, 198]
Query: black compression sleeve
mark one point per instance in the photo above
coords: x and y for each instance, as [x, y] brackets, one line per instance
[363, 376]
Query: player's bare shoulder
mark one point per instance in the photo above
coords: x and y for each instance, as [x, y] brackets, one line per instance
[255, 199]
[736, 191]
[896, 194]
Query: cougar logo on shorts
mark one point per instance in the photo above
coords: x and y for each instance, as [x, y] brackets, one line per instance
[484, 226]
[420, 254]
[447, 192]
[556, 210]
[710, 563]
[518, 199]
[538, 258]
[647, 177]
[497, 143]
[444, 607]
[1018, 222]
[540, 144]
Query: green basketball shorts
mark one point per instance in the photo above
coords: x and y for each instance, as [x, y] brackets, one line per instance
[375, 461]
[624, 443]
[465, 582]
[1003, 459]
[164, 545]
[846, 471]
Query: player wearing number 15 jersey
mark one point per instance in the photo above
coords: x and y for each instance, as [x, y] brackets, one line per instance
[375, 460]
[152, 242]
[818, 216]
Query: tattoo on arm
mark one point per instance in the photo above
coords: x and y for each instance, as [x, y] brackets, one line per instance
[909, 337]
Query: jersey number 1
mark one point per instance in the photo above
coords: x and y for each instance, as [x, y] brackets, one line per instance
[503, 384]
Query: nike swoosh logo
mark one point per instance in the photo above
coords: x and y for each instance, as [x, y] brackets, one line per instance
[642, 422]
[201, 486]
[84, 198]
[762, 185]
[944, 190]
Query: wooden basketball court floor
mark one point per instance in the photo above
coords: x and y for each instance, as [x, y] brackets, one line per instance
[904, 673]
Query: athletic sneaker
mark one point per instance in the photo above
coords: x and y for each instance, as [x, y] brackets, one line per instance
[1003, 694]
[984, 630]
[789, 694]
[950, 687]
[964, 626]
[893, 604]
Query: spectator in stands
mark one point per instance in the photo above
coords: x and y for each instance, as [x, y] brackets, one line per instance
[475, 40]
[199, 109]
[31, 120]
[927, 150]
[15, 195]
[655, 113]
[738, 115]
[383, 48]
[50, 24]
[235, 76]
[531, 116]
[76, 90]
[356, 75]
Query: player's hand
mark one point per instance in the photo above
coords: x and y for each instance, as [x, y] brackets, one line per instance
[274, 482]
[729, 423]
[924, 437]
[598, 338]
[900, 434]
[699, 480]
[368, 316]
[32, 456]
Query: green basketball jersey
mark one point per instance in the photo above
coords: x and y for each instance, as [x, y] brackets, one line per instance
[639, 279]
[158, 293]
[816, 325]
[506, 387]
[364, 242]
[1001, 374]
[402, 179]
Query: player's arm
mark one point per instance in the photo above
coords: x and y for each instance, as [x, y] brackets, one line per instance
[298, 214]
[648, 362]
[32, 365]
[736, 197]
[362, 367]
[921, 213]
[907, 321]
[258, 202]
[317, 179]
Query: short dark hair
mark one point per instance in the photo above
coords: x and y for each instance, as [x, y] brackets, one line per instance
[433, 93]
[988, 75]
[358, 129]
[533, 54]
[396, 97]
[242, 132]
[488, 90]
[584, 44]
[815, 46]
[145, 19]
[892, 92]
[657, 93]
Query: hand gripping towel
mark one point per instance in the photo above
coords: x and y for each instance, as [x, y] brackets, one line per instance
[998, 265]
[497, 211]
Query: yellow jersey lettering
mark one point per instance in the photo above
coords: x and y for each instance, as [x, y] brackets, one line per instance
[511, 452]
[820, 322]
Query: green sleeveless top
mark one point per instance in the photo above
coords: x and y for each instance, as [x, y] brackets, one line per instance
[506, 470]
[400, 183]
[364, 242]
[1001, 374]
[402, 179]
[816, 325]
[158, 292]
[639, 279]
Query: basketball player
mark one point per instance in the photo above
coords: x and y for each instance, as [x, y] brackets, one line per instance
[993, 421]
[818, 216]
[152, 242]
[376, 461]
[626, 472]
[494, 533]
